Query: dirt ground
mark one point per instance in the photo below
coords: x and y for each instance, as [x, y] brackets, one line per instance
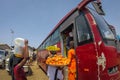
[37, 74]
[4, 75]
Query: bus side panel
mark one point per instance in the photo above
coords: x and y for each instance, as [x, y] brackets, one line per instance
[41, 59]
[86, 62]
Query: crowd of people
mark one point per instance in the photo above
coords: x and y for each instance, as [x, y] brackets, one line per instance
[21, 56]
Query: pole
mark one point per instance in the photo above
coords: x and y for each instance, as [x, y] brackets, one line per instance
[12, 36]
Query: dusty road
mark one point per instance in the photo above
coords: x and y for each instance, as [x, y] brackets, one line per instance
[37, 74]
[4, 75]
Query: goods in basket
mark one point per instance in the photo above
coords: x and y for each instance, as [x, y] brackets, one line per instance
[57, 60]
[52, 48]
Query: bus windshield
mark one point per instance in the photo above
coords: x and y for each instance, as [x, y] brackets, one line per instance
[103, 26]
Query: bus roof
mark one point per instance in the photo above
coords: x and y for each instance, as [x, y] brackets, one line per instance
[81, 5]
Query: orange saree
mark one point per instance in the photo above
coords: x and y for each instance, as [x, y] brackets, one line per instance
[72, 65]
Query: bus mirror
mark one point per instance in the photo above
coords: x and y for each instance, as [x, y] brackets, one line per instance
[98, 8]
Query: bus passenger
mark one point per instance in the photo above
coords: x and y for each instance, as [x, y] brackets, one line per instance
[68, 39]
[72, 64]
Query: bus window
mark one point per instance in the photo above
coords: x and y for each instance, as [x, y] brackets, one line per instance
[55, 37]
[103, 27]
[83, 30]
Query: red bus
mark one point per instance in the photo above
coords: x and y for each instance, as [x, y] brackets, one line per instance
[96, 50]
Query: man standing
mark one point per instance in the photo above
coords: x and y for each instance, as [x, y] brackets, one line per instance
[19, 58]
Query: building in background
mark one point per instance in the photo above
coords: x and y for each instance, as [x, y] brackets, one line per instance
[5, 47]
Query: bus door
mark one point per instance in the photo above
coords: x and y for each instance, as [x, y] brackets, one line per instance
[87, 68]
[66, 37]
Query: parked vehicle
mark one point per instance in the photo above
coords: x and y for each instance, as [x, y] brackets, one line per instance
[95, 45]
[7, 60]
[2, 58]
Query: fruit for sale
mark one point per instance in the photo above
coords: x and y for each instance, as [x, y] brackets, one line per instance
[57, 60]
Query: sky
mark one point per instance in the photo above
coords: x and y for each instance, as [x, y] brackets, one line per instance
[34, 19]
